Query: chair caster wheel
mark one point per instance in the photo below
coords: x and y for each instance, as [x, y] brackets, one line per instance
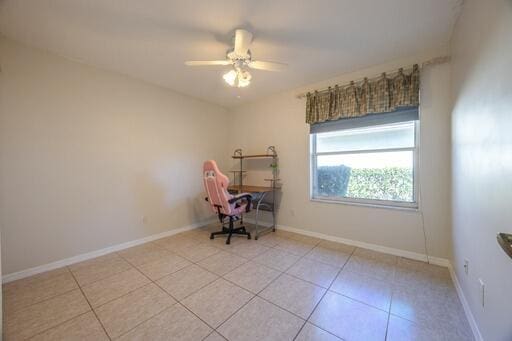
[255, 238]
[249, 236]
[228, 242]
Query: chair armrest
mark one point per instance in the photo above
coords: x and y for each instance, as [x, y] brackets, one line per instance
[240, 197]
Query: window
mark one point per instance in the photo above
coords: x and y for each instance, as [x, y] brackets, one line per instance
[367, 165]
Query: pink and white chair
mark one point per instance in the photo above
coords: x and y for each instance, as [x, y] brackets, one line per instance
[223, 203]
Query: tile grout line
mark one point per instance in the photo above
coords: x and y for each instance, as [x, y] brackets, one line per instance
[107, 276]
[219, 277]
[233, 314]
[172, 305]
[216, 332]
[332, 282]
[358, 301]
[90, 306]
[70, 319]
[257, 295]
[151, 282]
[277, 246]
[177, 301]
[222, 276]
[393, 291]
[192, 293]
[320, 300]
[48, 298]
[44, 300]
[283, 272]
[78, 286]
[57, 325]
[133, 267]
[254, 296]
[363, 275]
[195, 263]
[138, 324]
[230, 281]
[68, 269]
[147, 284]
[392, 283]
[123, 295]
[190, 311]
[389, 317]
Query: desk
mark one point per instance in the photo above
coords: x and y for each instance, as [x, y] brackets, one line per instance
[258, 194]
[249, 189]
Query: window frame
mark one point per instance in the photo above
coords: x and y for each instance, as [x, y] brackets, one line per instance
[414, 205]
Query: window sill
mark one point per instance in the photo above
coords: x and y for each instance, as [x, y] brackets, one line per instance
[412, 208]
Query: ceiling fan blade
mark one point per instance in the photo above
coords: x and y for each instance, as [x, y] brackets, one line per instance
[268, 66]
[207, 62]
[243, 39]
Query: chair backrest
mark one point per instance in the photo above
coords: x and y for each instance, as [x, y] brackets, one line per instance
[216, 186]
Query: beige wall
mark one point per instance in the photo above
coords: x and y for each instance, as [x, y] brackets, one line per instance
[1, 288]
[280, 121]
[482, 160]
[86, 153]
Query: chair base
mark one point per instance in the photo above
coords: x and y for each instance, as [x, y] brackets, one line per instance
[231, 231]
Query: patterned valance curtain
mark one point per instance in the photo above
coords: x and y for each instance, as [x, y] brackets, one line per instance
[381, 95]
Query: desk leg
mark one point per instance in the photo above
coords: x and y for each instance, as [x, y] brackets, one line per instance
[273, 207]
[257, 234]
[273, 218]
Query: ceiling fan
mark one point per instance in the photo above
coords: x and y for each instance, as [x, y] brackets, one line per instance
[239, 57]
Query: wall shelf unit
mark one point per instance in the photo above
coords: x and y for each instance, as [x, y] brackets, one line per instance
[264, 197]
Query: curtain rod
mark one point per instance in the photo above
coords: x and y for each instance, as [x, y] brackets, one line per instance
[433, 61]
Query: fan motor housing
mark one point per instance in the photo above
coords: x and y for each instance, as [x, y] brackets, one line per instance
[231, 55]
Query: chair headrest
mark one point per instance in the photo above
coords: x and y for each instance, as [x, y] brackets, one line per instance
[211, 165]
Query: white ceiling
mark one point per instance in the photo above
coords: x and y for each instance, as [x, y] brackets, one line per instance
[150, 39]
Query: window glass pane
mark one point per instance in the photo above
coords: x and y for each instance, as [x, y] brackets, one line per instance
[397, 135]
[380, 175]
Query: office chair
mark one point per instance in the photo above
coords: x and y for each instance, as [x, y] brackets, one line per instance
[223, 203]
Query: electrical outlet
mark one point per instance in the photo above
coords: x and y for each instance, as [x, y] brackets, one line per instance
[482, 291]
[466, 266]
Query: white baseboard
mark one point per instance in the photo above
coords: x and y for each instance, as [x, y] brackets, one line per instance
[393, 251]
[402, 253]
[89, 255]
[465, 305]
[389, 250]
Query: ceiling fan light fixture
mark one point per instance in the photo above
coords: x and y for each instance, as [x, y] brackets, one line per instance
[230, 77]
[242, 83]
[237, 78]
[240, 58]
[244, 78]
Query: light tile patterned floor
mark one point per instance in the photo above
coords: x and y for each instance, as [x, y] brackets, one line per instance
[284, 286]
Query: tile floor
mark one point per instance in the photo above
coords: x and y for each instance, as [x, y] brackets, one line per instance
[282, 287]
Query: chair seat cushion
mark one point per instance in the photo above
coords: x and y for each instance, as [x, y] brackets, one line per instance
[238, 209]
